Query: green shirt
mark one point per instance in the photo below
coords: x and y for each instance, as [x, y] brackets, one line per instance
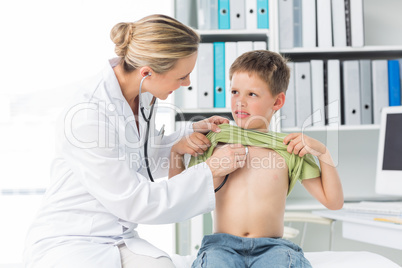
[300, 168]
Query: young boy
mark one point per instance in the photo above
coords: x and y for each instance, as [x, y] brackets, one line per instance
[250, 207]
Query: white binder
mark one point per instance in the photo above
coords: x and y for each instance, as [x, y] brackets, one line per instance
[237, 14]
[205, 76]
[317, 92]
[230, 56]
[297, 23]
[303, 94]
[309, 23]
[324, 23]
[351, 92]
[251, 14]
[259, 45]
[285, 24]
[366, 92]
[356, 23]
[244, 46]
[187, 97]
[334, 115]
[380, 88]
[197, 233]
[203, 15]
[288, 111]
[339, 23]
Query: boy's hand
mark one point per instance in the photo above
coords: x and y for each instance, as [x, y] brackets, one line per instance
[301, 144]
[210, 124]
[194, 144]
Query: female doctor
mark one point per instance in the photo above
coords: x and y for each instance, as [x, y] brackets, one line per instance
[101, 187]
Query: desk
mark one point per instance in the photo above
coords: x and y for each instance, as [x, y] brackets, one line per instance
[363, 228]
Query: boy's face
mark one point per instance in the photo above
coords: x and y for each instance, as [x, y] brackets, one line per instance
[252, 102]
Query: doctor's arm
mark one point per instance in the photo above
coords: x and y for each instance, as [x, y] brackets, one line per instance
[224, 159]
[328, 188]
[193, 144]
[172, 140]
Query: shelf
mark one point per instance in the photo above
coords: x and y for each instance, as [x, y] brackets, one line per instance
[234, 32]
[199, 114]
[210, 110]
[343, 49]
[373, 52]
[333, 128]
[233, 35]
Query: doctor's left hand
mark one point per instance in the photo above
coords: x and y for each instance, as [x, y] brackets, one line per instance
[193, 144]
[210, 124]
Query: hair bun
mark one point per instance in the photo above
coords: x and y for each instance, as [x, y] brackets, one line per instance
[121, 36]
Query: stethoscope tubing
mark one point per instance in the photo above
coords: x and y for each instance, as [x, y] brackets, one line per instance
[148, 121]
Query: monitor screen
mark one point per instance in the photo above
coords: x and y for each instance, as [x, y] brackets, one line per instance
[389, 165]
[392, 159]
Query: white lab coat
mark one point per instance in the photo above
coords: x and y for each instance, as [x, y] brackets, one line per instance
[100, 191]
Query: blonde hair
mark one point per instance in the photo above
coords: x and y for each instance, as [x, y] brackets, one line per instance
[157, 41]
[269, 66]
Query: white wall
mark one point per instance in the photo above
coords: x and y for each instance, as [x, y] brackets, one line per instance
[46, 46]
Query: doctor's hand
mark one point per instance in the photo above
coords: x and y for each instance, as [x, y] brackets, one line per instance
[210, 124]
[194, 144]
[226, 159]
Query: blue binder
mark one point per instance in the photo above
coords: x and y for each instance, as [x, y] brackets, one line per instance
[262, 14]
[394, 81]
[219, 75]
[223, 14]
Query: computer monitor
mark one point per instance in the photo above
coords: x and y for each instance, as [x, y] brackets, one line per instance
[389, 165]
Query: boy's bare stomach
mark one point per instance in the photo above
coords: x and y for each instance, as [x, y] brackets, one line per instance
[252, 202]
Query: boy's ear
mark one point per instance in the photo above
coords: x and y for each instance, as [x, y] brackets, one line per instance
[280, 101]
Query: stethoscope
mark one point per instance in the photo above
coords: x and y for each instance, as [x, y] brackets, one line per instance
[148, 120]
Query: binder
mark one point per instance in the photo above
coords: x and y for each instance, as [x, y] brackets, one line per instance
[356, 23]
[262, 14]
[394, 83]
[237, 14]
[251, 14]
[259, 45]
[309, 34]
[288, 111]
[230, 56]
[324, 23]
[339, 23]
[219, 75]
[380, 88]
[205, 76]
[347, 23]
[214, 14]
[297, 23]
[317, 92]
[351, 92]
[207, 14]
[303, 94]
[197, 233]
[286, 37]
[186, 97]
[223, 14]
[366, 92]
[244, 46]
[334, 115]
[184, 11]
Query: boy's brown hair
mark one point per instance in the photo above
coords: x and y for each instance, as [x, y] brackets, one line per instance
[269, 66]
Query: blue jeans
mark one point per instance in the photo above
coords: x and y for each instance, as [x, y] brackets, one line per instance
[225, 250]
